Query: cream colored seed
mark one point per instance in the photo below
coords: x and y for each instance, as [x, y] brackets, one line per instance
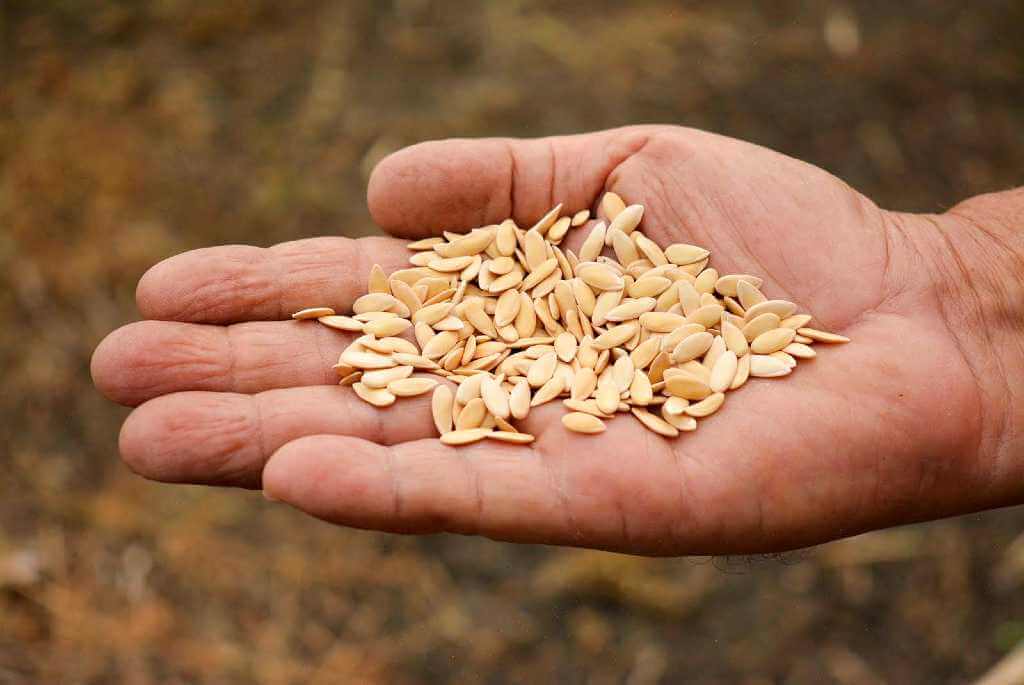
[580, 217]
[683, 254]
[411, 387]
[655, 423]
[471, 415]
[312, 313]
[380, 378]
[612, 205]
[548, 391]
[579, 422]
[378, 397]
[724, 371]
[707, 406]
[766, 366]
[519, 400]
[565, 346]
[465, 437]
[822, 336]
[387, 327]
[772, 341]
[341, 323]
[780, 308]
[511, 436]
[374, 302]
[616, 336]
[495, 397]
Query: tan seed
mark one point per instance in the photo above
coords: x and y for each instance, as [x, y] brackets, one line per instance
[800, 350]
[727, 285]
[706, 315]
[749, 295]
[682, 254]
[822, 336]
[580, 217]
[600, 276]
[378, 397]
[761, 324]
[549, 391]
[411, 387]
[734, 338]
[616, 336]
[796, 321]
[766, 366]
[471, 415]
[465, 437]
[655, 423]
[514, 437]
[649, 286]
[612, 205]
[707, 406]
[724, 371]
[594, 244]
[675, 405]
[380, 378]
[440, 345]
[640, 391]
[519, 400]
[628, 219]
[585, 406]
[387, 327]
[440, 408]
[341, 323]
[505, 240]
[688, 387]
[579, 422]
[780, 308]
[375, 302]
[681, 422]
[742, 372]
[772, 341]
[313, 313]
[692, 347]
[495, 397]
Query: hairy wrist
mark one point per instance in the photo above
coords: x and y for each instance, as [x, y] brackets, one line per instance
[976, 254]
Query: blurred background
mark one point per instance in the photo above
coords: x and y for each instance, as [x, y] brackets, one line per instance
[130, 131]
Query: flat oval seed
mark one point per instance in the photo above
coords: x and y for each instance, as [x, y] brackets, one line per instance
[384, 328]
[682, 422]
[661, 322]
[505, 240]
[683, 254]
[628, 219]
[796, 321]
[616, 336]
[800, 350]
[519, 400]
[675, 405]
[655, 423]
[549, 390]
[565, 346]
[724, 371]
[594, 244]
[600, 276]
[780, 308]
[607, 398]
[707, 315]
[640, 389]
[772, 341]
[742, 372]
[378, 397]
[411, 387]
[822, 336]
[734, 338]
[579, 422]
[542, 370]
[469, 389]
[509, 436]
[341, 323]
[432, 313]
[748, 294]
[471, 415]
[766, 366]
[727, 285]
[312, 313]
[761, 324]
[707, 406]
[380, 378]
[465, 437]
[692, 347]
[374, 302]
[612, 205]
[495, 398]
[688, 387]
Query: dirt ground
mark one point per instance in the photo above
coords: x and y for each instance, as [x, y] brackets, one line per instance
[130, 131]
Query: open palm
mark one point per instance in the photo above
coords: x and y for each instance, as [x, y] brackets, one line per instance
[234, 393]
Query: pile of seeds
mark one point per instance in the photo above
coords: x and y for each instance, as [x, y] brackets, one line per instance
[515, 321]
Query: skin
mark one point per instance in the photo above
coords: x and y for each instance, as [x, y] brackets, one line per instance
[918, 418]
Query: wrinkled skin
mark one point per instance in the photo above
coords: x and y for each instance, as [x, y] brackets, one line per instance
[905, 423]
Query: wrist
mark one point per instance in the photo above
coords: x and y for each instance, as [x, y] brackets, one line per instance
[975, 252]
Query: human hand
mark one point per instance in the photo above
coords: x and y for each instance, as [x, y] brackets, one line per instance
[901, 425]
